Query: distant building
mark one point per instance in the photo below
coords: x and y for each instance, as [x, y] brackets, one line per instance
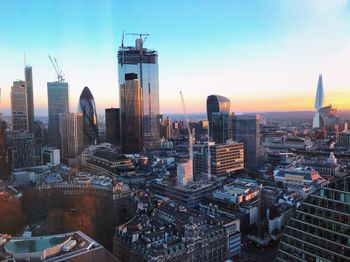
[71, 132]
[29, 94]
[112, 125]
[20, 149]
[165, 128]
[40, 137]
[50, 155]
[319, 230]
[221, 127]
[343, 140]
[131, 114]
[144, 63]
[3, 163]
[19, 109]
[225, 159]
[88, 108]
[58, 103]
[216, 104]
[246, 130]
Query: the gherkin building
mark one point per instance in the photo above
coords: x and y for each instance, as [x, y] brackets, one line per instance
[88, 108]
[320, 229]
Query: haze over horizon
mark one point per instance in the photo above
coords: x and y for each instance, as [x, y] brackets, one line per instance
[264, 56]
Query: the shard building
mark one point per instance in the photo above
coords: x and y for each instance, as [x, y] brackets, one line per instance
[319, 101]
[88, 108]
[144, 63]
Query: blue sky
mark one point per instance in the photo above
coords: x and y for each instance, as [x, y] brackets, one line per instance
[264, 55]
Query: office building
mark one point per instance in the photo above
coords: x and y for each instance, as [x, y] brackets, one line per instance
[71, 132]
[3, 165]
[221, 127]
[173, 233]
[131, 114]
[40, 137]
[246, 130]
[20, 149]
[19, 109]
[88, 108]
[343, 140]
[28, 74]
[58, 103]
[50, 156]
[225, 159]
[165, 128]
[216, 104]
[319, 101]
[144, 63]
[320, 228]
[112, 125]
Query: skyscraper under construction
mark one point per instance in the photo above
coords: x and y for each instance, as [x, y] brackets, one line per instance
[144, 63]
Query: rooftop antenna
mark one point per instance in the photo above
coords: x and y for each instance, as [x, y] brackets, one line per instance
[123, 39]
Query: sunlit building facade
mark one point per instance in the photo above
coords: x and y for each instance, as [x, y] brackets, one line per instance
[19, 109]
[71, 132]
[58, 103]
[131, 114]
[88, 108]
[144, 63]
[320, 228]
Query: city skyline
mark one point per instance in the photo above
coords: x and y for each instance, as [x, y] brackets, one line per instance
[272, 60]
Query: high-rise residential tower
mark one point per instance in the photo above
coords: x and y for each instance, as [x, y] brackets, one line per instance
[131, 114]
[216, 104]
[246, 130]
[58, 103]
[112, 125]
[28, 74]
[144, 63]
[71, 131]
[19, 109]
[88, 108]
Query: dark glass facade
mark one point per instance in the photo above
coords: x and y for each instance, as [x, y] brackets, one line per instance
[131, 114]
[221, 127]
[246, 130]
[88, 108]
[112, 125]
[144, 63]
[216, 104]
[58, 103]
[30, 100]
[320, 228]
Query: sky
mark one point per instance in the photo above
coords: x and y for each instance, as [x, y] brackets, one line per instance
[265, 55]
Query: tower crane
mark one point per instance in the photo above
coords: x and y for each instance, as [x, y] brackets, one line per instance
[60, 76]
[188, 129]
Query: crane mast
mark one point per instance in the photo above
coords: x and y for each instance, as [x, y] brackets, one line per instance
[58, 71]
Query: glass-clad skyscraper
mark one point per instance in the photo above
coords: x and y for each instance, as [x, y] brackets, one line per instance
[88, 108]
[320, 228]
[131, 114]
[30, 100]
[144, 63]
[19, 109]
[221, 129]
[246, 130]
[58, 103]
[216, 104]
